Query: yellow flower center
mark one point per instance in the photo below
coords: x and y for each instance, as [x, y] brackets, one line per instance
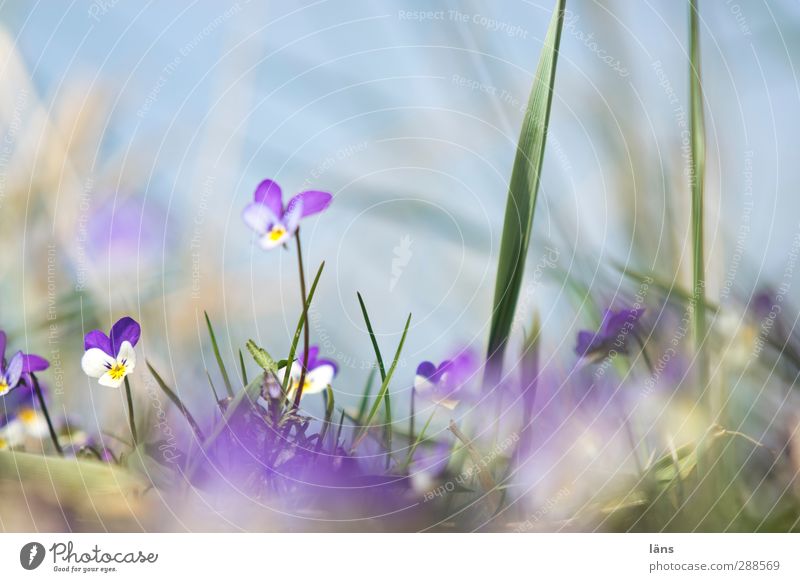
[296, 383]
[118, 371]
[27, 415]
[3, 444]
[3, 387]
[277, 233]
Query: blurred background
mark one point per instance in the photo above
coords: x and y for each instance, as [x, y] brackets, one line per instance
[133, 134]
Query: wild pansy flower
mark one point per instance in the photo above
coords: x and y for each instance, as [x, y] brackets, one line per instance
[19, 419]
[613, 337]
[276, 223]
[319, 374]
[111, 357]
[18, 368]
[441, 383]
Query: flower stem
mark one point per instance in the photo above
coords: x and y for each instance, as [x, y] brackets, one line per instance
[411, 437]
[43, 406]
[130, 413]
[306, 340]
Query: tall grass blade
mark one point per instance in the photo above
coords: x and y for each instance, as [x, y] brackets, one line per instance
[299, 330]
[177, 402]
[218, 356]
[362, 406]
[243, 369]
[387, 399]
[382, 392]
[329, 406]
[697, 178]
[522, 194]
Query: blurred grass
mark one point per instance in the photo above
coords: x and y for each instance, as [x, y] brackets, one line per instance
[697, 176]
[522, 194]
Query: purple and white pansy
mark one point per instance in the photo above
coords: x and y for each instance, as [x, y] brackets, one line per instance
[18, 368]
[440, 384]
[275, 223]
[319, 375]
[111, 357]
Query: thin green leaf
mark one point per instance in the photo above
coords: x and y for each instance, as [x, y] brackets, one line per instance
[329, 404]
[387, 399]
[697, 179]
[177, 402]
[362, 407]
[217, 355]
[339, 432]
[213, 389]
[244, 370]
[420, 438]
[382, 392]
[522, 194]
[372, 338]
[300, 323]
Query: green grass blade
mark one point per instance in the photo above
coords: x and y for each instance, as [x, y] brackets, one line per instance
[217, 355]
[362, 407]
[244, 370]
[338, 432]
[329, 404]
[372, 336]
[387, 399]
[177, 402]
[417, 441]
[697, 178]
[213, 388]
[299, 330]
[382, 392]
[522, 194]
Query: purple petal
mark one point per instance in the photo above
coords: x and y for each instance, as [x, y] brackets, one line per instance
[313, 352]
[294, 212]
[426, 370]
[14, 370]
[125, 330]
[269, 194]
[2, 346]
[33, 363]
[586, 342]
[97, 339]
[314, 201]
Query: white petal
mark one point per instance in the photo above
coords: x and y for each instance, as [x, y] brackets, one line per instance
[13, 433]
[127, 356]
[258, 217]
[319, 378]
[422, 384]
[95, 362]
[107, 380]
[37, 427]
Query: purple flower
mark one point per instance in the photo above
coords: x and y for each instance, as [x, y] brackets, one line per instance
[613, 336]
[18, 368]
[441, 383]
[319, 374]
[273, 222]
[111, 357]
